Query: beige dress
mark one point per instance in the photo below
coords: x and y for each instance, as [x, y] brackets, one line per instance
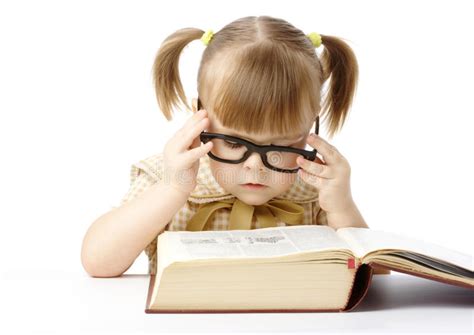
[148, 171]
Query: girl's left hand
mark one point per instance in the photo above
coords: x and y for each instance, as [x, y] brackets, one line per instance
[331, 177]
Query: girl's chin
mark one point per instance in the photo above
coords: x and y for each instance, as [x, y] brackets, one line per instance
[252, 199]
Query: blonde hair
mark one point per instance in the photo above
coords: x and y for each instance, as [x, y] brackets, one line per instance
[261, 75]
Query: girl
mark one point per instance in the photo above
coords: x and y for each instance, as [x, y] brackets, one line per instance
[259, 86]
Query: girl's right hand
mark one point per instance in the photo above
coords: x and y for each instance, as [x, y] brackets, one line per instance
[182, 152]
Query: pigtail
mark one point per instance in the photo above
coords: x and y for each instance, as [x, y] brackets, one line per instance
[168, 86]
[340, 64]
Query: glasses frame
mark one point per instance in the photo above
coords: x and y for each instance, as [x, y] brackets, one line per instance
[260, 149]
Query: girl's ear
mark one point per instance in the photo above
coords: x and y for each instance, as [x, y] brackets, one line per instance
[194, 105]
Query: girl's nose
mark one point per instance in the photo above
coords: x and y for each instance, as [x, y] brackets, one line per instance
[254, 162]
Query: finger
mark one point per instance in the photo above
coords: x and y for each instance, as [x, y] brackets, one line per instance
[196, 143]
[189, 124]
[195, 118]
[329, 152]
[193, 155]
[311, 179]
[190, 138]
[317, 169]
[318, 160]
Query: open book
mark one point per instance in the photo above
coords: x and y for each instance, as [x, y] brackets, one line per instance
[306, 268]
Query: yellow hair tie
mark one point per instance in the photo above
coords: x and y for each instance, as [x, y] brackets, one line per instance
[207, 36]
[315, 39]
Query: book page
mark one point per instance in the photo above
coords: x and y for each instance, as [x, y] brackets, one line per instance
[264, 242]
[366, 240]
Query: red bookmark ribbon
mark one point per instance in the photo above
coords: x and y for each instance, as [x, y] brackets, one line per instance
[351, 263]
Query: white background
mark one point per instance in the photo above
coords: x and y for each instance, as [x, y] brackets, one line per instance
[77, 108]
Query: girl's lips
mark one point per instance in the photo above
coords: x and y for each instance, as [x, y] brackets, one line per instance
[253, 186]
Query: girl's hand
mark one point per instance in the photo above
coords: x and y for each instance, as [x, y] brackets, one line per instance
[182, 152]
[331, 177]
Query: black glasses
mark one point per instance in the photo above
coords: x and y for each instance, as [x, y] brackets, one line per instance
[235, 150]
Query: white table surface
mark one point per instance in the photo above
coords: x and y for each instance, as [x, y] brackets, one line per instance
[65, 303]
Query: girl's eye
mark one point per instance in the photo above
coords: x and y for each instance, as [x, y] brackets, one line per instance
[233, 145]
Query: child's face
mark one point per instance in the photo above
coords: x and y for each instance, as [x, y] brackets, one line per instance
[231, 177]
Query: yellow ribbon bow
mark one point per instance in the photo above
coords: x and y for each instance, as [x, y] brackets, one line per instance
[241, 214]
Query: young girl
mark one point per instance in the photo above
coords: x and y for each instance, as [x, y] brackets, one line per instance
[259, 86]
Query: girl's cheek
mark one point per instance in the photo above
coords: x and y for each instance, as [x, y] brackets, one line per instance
[224, 174]
[282, 179]
[219, 171]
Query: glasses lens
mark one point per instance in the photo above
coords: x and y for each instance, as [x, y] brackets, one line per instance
[226, 149]
[283, 159]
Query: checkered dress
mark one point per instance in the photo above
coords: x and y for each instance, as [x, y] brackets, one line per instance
[148, 171]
